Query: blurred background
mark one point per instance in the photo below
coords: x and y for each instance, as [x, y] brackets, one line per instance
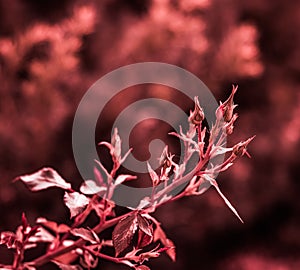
[52, 51]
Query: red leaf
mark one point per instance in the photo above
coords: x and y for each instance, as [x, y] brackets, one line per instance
[154, 253]
[214, 183]
[86, 234]
[153, 175]
[41, 235]
[144, 225]
[143, 239]
[142, 267]
[90, 187]
[9, 239]
[43, 179]
[126, 229]
[145, 236]
[123, 233]
[57, 228]
[88, 260]
[171, 251]
[98, 177]
[159, 234]
[76, 202]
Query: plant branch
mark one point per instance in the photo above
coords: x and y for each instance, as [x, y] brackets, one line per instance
[185, 178]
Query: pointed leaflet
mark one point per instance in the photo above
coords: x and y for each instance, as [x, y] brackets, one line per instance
[216, 186]
[43, 179]
[24, 222]
[153, 175]
[76, 202]
[154, 253]
[98, 177]
[220, 150]
[123, 233]
[163, 156]
[124, 177]
[144, 225]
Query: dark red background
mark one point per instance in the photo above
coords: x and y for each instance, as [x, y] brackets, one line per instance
[254, 44]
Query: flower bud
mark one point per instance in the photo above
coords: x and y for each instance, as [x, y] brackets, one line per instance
[240, 149]
[116, 143]
[165, 161]
[196, 116]
[226, 109]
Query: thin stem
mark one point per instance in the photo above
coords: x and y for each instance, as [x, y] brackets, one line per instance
[199, 133]
[17, 260]
[19, 253]
[173, 199]
[219, 168]
[103, 256]
[152, 194]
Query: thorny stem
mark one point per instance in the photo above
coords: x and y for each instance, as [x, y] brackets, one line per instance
[79, 243]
